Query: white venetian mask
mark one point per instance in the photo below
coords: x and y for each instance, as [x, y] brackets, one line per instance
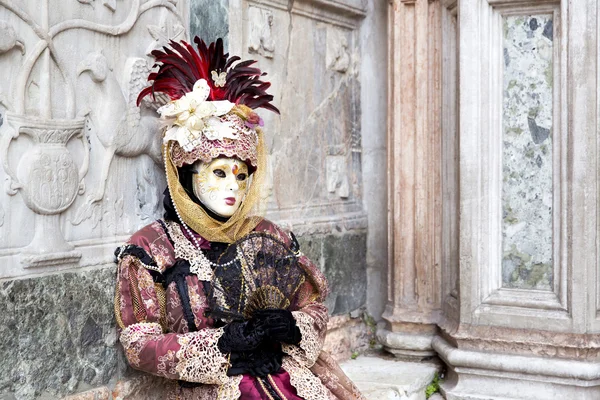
[221, 184]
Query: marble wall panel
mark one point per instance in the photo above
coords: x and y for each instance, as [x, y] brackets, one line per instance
[73, 71]
[209, 20]
[527, 191]
[313, 66]
[57, 334]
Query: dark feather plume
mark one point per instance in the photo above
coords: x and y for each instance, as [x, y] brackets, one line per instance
[180, 66]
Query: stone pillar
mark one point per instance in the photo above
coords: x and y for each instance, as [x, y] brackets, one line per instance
[524, 322]
[414, 178]
[512, 303]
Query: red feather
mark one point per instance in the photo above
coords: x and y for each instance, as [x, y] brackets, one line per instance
[180, 66]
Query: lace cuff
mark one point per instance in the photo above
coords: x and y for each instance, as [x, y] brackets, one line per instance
[230, 390]
[308, 386]
[200, 359]
[309, 348]
[134, 338]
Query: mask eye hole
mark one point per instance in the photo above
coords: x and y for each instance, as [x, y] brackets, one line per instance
[219, 172]
[241, 177]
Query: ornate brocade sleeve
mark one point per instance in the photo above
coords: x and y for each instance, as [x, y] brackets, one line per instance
[140, 314]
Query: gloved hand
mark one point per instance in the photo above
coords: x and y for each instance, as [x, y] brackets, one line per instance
[262, 361]
[279, 325]
[242, 336]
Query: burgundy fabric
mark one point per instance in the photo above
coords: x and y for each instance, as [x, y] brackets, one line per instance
[156, 353]
[251, 389]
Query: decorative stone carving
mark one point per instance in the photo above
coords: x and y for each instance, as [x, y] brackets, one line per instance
[110, 4]
[497, 342]
[338, 55]
[165, 31]
[9, 39]
[148, 202]
[50, 103]
[118, 122]
[337, 176]
[261, 32]
[87, 2]
[49, 181]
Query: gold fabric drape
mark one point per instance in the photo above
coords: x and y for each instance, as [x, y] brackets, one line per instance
[242, 222]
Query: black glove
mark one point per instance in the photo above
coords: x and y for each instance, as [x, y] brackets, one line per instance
[242, 336]
[279, 325]
[262, 361]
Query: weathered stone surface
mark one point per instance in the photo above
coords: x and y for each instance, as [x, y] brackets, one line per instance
[373, 30]
[139, 387]
[346, 271]
[103, 168]
[342, 257]
[57, 334]
[384, 379]
[347, 336]
[209, 20]
[102, 393]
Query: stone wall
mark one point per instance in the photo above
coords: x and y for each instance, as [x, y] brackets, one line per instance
[312, 51]
[493, 226]
[67, 109]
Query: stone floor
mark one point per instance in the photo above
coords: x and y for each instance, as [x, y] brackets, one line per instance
[382, 378]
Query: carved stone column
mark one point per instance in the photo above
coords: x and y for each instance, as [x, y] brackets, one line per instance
[414, 178]
[524, 321]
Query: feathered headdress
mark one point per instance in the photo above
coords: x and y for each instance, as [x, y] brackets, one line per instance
[181, 67]
[210, 112]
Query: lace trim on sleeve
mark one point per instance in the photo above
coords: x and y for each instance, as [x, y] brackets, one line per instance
[309, 348]
[231, 389]
[228, 391]
[307, 385]
[186, 251]
[200, 359]
[134, 338]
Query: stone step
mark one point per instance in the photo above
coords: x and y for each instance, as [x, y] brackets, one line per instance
[381, 378]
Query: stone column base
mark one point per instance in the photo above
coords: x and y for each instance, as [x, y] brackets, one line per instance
[385, 379]
[407, 346]
[474, 375]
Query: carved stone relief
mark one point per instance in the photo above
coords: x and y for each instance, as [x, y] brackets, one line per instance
[337, 176]
[110, 4]
[147, 200]
[9, 39]
[260, 38]
[166, 30]
[338, 54]
[118, 121]
[72, 87]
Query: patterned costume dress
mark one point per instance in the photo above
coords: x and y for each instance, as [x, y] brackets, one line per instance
[156, 337]
[165, 269]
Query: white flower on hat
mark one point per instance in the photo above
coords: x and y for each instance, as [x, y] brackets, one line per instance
[192, 116]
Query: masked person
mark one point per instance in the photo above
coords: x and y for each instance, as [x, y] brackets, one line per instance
[214, 158]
